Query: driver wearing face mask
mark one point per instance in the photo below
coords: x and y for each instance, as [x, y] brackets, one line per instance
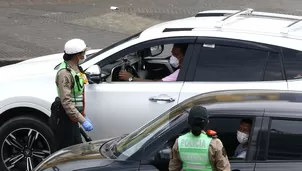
[178, 52]
[243, 137]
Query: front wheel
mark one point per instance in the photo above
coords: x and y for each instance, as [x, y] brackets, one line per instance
[24, 142]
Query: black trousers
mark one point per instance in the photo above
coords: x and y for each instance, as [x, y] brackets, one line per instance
[67, 132]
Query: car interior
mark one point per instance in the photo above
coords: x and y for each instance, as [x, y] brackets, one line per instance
[162, 158]
[149, 63]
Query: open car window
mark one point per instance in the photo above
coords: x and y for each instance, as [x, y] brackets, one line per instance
[135, 36]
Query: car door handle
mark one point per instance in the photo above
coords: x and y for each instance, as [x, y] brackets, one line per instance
[165, 99]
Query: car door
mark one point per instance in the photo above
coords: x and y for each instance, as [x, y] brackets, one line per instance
[120, 107]
[280, 144]
[224, 64]
[292, 61]
[225, 123]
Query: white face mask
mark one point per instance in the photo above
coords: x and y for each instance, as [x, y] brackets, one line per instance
[174, 61]
[242, 137]
[81, 60]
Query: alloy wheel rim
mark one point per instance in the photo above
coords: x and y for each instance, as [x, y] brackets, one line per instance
[24, 148]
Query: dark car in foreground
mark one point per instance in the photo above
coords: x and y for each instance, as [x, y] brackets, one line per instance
[275, 141]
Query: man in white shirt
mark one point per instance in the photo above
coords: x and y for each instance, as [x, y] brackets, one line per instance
[178, 53]
[243, 137]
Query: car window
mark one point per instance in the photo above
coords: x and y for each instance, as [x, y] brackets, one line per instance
[143, 63]
[135, 36]
[228, 63]
[292, 60]
[226, 129]
[273, 71]
[149, 60]
[285, 140]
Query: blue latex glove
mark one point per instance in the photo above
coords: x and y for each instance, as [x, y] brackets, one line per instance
[87, 126]
[87, 119]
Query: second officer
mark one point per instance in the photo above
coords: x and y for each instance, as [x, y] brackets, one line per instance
[197, 149]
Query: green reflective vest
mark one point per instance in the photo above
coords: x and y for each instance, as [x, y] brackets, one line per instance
[194, 152]
[78, 87]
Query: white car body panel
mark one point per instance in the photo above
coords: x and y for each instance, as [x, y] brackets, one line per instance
[122, 107]
[295, 84]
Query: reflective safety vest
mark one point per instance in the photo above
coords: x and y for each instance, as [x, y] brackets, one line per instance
[194, 152]
[79, 79]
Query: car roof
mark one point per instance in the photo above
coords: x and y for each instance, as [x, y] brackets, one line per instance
[249, 99]
[264, 23]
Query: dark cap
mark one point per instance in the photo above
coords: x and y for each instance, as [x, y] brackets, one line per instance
[198, 112]
[198, 115]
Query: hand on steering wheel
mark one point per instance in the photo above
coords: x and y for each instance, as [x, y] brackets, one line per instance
[129, 71]
[124, 75]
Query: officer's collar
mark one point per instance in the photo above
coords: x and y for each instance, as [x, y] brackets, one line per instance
[72, 65]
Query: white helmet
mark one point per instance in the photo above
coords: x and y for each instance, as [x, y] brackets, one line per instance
[74, 46]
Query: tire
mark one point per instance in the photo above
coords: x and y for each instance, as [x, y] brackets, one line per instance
[24, 130]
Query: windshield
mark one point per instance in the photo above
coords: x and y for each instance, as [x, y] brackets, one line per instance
[111, 46]
[134, 141]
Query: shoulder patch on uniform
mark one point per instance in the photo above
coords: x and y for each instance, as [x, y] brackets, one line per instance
[65, 81]
[224, 153]
[211, 133]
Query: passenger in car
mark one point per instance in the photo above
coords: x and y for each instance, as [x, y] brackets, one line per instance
[242, 137]
[178, 52]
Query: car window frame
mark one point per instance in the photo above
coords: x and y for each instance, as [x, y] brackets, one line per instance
[107, 48]
[283, 56]
[146, 153]
[191, 40]
[230, 42]
[265, 135]
[257, 122]
[283, 78]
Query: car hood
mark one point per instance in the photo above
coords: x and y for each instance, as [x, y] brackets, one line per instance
[34, 66]
[75, 157]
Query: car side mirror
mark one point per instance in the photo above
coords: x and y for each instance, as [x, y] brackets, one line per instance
[94, 74]
[156, 50]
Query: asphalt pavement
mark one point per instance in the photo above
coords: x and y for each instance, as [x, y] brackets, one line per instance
[32, 28]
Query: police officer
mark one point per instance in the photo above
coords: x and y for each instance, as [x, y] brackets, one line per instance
[70, 82]
[198, 150]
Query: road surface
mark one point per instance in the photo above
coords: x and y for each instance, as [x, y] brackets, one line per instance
[32, 28]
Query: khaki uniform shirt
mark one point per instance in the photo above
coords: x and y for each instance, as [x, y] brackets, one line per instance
[64, 81]
[217, 155]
